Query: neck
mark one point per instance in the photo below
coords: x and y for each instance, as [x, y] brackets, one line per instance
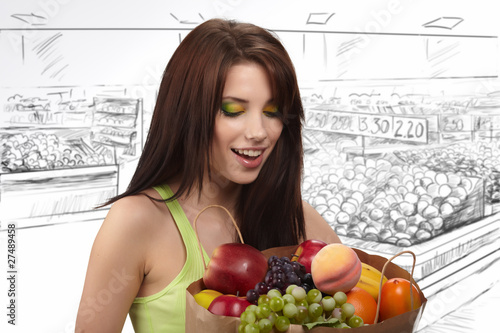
[217, 191]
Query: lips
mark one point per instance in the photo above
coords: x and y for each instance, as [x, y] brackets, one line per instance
[249, 158]
[248, 153]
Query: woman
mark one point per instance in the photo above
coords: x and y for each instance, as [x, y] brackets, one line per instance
[226, 130]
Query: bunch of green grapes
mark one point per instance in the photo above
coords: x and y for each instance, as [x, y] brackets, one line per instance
[297, 306]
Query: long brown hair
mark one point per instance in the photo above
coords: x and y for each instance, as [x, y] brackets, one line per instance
[269, 211]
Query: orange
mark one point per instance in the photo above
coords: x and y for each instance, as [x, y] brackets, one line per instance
[364, 304]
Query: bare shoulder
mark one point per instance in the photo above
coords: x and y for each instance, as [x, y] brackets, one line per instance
[128, 222]
[136, 213]
[317, 227]
[132, 224]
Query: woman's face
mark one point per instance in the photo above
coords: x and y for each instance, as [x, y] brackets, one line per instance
[247, 125]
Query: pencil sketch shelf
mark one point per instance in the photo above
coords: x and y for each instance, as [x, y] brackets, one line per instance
[115, 123]
[426, 176]
[54, 176]
[54, 170]
[42, 112]
[408, 158]
[47, 197]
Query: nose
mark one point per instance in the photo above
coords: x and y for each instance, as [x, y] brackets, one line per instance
[255, 129]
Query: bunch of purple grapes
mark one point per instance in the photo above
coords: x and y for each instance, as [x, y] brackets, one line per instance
[281, 272]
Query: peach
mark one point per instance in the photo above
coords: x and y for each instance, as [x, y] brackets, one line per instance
[336, 267]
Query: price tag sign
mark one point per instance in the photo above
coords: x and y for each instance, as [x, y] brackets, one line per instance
[413, 129]
[455, 123]
[333, 121]
[486, 122]
[394, 127]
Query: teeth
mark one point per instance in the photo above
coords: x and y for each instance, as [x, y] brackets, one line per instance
[249, 152]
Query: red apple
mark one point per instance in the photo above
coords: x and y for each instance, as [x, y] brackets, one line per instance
[306, 252]
[228, 305]
[235, 268]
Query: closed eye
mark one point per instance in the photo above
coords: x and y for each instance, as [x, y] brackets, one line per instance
[232, 109]
[271, 111]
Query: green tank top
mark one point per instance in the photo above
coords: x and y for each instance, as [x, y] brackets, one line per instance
[165, 311]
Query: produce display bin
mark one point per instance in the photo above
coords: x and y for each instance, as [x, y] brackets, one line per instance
[45, 196]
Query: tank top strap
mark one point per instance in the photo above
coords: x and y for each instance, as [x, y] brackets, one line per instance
[185, 228]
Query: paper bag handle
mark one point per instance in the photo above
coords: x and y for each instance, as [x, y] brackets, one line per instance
[382, 280]
[196, 232]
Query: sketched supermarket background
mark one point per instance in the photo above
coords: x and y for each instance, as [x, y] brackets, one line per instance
[402, 130]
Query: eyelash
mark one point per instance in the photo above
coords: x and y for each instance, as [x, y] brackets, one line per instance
[230, 114]
[270, 114]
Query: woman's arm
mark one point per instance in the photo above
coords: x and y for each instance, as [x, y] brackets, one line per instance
[115, 270]
[317, 227]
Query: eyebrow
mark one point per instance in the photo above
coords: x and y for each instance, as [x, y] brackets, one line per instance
[241, 100]
[236, 99]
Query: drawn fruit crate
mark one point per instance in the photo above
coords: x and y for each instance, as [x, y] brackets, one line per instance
[45, 196]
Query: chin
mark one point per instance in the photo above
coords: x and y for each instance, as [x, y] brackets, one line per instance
[244, 179]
